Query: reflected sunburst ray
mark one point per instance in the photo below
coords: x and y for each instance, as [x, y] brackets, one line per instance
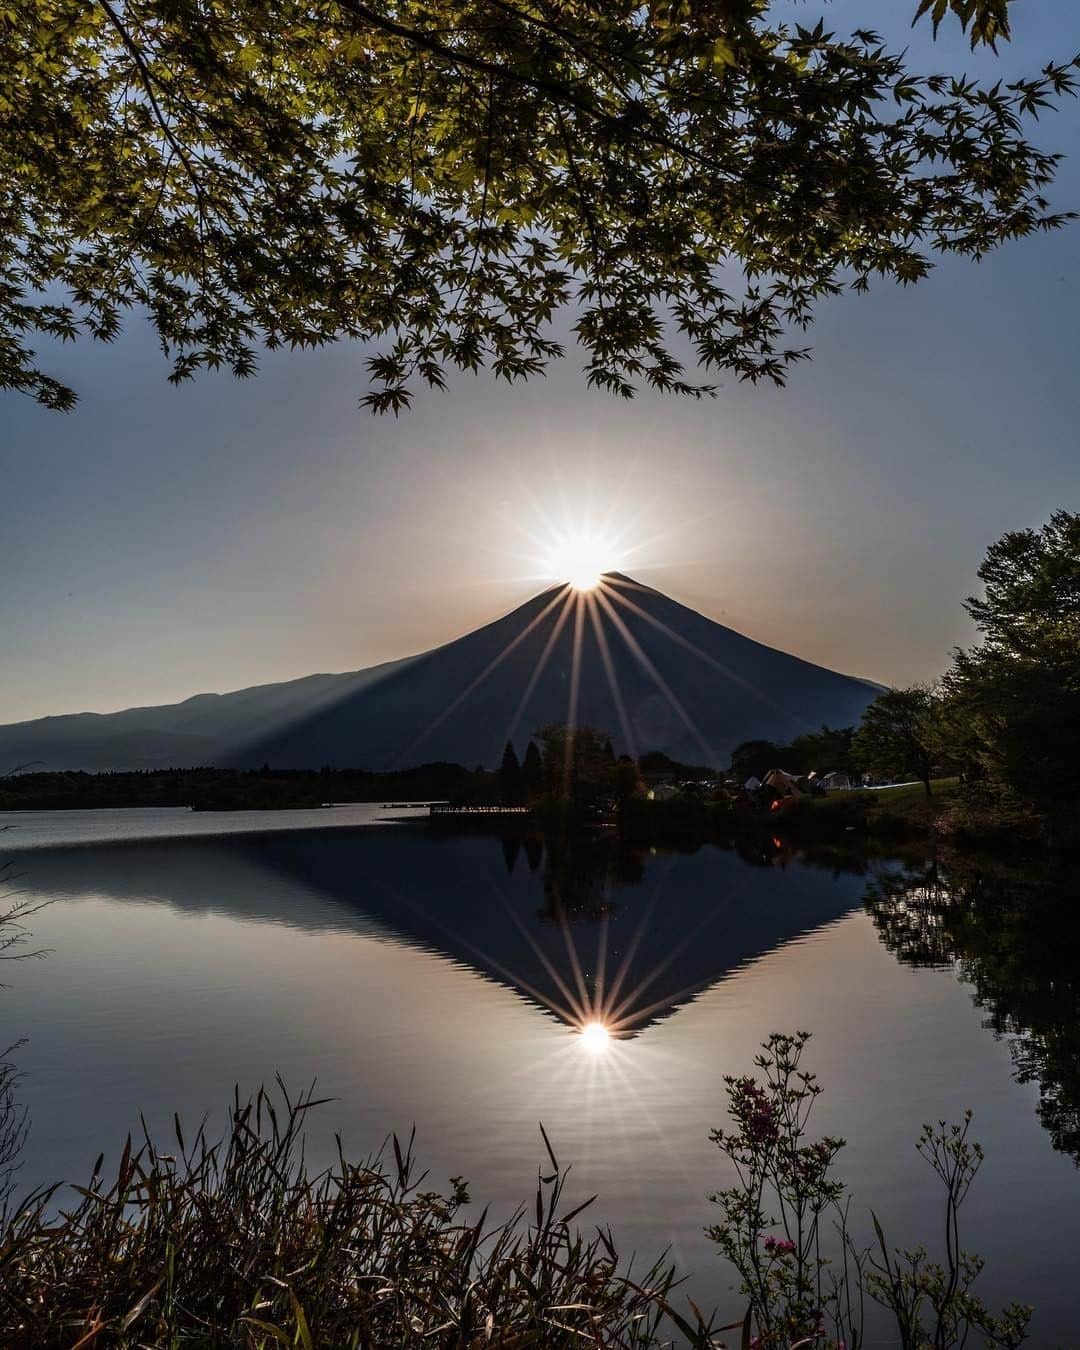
[672, 955]
[635, 942]
[569, 1013]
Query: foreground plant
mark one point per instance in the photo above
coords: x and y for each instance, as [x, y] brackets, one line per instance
[787, 1206]
[234, 1244]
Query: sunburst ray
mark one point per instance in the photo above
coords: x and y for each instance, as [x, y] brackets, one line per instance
[650, 669]
[680, 640]
[625, 725]
[534, 679]
[562, 594]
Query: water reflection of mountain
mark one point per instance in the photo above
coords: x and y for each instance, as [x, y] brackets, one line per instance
[1014, 937]
[586, 930]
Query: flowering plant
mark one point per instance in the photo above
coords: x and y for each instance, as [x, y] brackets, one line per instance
[784, 1184]
[787, 1207]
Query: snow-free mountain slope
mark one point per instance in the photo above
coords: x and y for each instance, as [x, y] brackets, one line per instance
[654, 673]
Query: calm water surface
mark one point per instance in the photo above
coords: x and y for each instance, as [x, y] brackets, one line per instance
[444, 980]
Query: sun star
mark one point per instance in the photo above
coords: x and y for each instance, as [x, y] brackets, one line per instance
[595, 1037]
[580, 559]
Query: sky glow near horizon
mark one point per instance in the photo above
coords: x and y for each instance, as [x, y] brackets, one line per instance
[161, 542]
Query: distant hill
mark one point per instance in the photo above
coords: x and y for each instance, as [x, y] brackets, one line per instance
[659, 676]
[201, 730]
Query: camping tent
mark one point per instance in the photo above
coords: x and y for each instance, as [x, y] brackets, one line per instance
[782, 783]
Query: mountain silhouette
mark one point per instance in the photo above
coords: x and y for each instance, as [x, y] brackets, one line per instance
[654, 673]
[574, 929]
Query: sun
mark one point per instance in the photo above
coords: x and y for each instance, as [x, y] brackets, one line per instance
[580, 558]
[595, 1037]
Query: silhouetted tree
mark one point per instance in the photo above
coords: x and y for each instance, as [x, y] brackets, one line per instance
[824, 751]
[510, 777]
[628, 782]
[532, 772]
[656, 764]
[754, 759]
[1012, 705]
[578, 771]
[899, 735]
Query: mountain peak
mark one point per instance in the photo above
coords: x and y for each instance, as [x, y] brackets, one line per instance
[624, 657]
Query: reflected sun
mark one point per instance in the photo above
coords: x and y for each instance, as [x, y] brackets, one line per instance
[595, 1037]
[580, 559]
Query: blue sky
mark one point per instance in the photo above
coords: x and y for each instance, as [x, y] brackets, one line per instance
[158, 542]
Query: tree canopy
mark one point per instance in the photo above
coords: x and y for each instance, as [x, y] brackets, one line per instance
[1032, 585]
[898, 734]
[1012, 704]
[579, 765]
[511, 785]
[440, 177]
[820, 752]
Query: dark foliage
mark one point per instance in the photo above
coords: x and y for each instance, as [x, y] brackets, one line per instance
[442, 176]
[511, 782]
[234, 1244]
[655, 764]
[824, 751]
[237, 789]
[899, 735]
[532, 771]
[1013, 935]
[1011, 708]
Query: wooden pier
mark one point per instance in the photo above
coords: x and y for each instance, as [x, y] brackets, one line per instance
[447, 810]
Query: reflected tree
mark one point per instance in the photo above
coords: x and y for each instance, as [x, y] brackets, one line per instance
[511, 847]
[534, 853]
[1012, 936]
[580, 874]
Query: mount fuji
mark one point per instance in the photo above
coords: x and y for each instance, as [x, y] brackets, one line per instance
[653, 673]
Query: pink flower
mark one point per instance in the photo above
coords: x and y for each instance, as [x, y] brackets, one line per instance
[779, 1246]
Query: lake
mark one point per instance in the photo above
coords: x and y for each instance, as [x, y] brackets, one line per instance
[443, 980]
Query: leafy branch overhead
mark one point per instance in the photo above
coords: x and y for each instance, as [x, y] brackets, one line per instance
[439, 177]
[986, 20]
